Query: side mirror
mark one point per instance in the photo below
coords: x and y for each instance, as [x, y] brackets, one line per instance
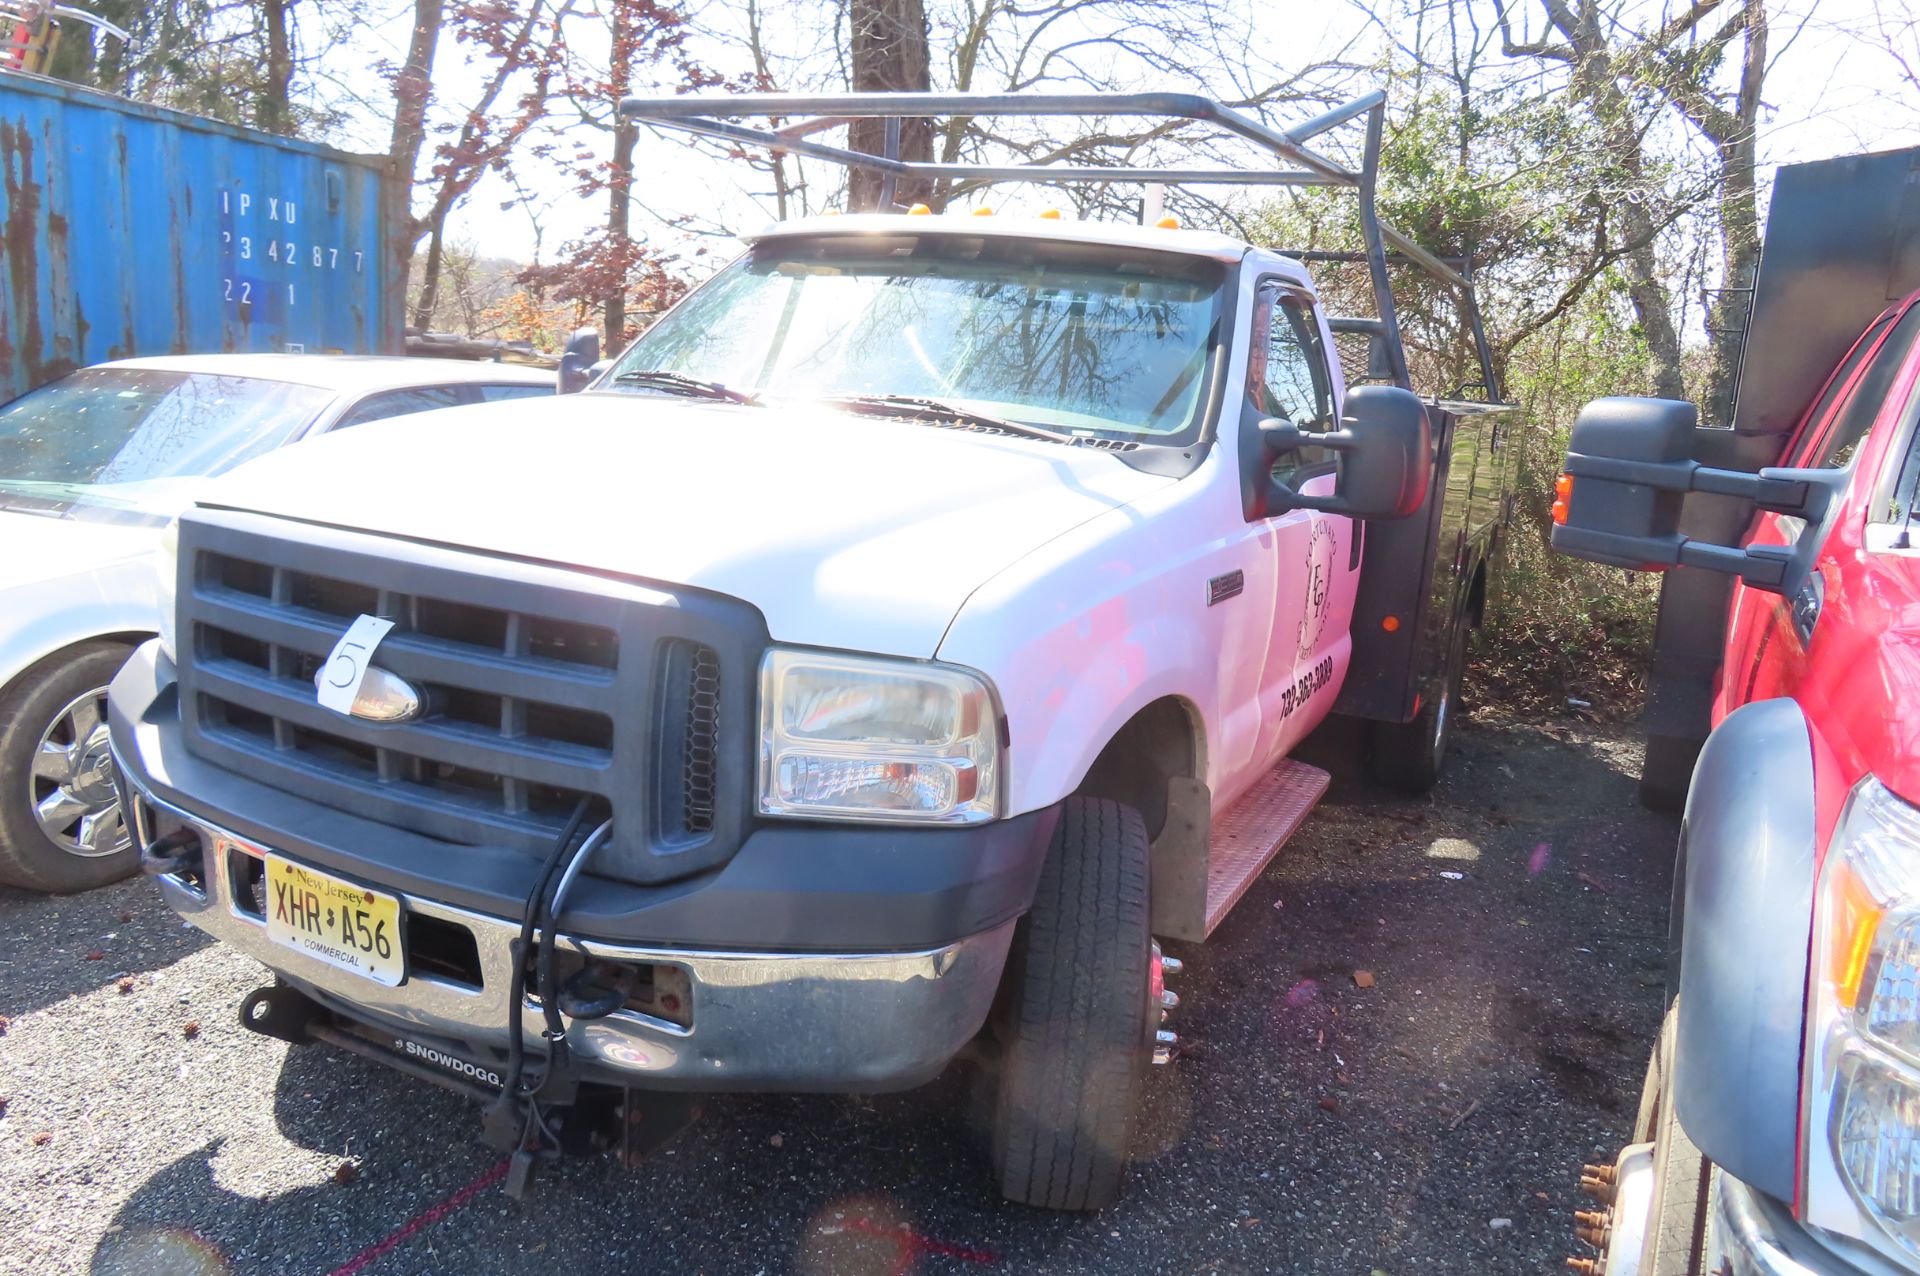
[577, 361]
[1386, 456]
[1630, 466]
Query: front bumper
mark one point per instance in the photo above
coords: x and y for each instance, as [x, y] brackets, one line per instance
[761, 1020]
[1754, 1235]
[764, 1014]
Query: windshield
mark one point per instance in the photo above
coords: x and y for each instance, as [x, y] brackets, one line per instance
[120, 436]
[1091, 339]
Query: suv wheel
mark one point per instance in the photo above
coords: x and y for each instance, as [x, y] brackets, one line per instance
[61, 826]
[1075, 1017]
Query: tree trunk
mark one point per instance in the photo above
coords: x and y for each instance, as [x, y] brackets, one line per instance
[430, 278]
[620, 226]
[274, 112]
[412, 89]
[1739, 227]
[1652, 299]
[889, 56]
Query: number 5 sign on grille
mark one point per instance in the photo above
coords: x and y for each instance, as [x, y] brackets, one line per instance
[335, 922]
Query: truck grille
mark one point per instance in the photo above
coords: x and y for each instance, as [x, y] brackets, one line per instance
[541, 688]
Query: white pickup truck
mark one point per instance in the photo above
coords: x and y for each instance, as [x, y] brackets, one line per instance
[864, 670]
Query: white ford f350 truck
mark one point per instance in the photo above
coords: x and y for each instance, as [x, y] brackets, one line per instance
[872, 665]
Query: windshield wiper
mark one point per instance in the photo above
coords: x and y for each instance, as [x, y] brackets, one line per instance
[909, 405]
[676, 383]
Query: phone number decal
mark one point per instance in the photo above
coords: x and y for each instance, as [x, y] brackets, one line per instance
[1304, 687]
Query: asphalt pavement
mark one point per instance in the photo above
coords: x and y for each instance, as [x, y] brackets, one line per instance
[1396, 1054]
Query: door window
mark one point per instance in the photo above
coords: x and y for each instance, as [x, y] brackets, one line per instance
[1287, 378]
[497, 393]
[390, 403]
[1862, 406]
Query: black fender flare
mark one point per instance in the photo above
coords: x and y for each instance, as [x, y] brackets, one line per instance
[1750, 855]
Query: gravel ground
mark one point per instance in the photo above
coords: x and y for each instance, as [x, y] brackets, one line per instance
[1402, 1046]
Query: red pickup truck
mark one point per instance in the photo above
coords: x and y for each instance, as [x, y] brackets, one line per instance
[1779, 1131]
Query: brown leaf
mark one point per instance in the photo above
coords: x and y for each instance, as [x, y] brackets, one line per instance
[43, 1138]
[126, 915]
[191, 1029]
[345, 1173]
[96, 955]
[126, 986]
[1330, 1104]
[1363, 978]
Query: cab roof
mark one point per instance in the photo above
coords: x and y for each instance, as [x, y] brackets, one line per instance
[1197, 243]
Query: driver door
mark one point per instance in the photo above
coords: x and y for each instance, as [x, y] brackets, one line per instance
[1293, 643]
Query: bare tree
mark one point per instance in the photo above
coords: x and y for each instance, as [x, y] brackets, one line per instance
[1603, 54]
[274, 113]
[523, 47]
[412, 91]
[888, 44]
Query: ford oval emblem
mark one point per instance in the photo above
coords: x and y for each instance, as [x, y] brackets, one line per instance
[383, 696]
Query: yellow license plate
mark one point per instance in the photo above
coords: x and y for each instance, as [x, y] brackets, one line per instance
[335, 922]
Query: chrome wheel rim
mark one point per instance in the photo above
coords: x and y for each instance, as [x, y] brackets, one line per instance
[70, 784]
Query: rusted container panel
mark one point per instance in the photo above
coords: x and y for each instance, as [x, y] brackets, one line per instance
[129, 230]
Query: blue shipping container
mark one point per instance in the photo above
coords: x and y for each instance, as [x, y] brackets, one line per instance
[128, 230]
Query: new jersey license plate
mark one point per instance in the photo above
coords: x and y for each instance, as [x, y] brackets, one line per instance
[334, 921]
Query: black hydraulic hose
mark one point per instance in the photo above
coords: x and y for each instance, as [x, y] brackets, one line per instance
[556, 1031]
[517, 979]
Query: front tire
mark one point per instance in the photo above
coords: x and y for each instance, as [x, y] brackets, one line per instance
[1676, 1238]
[1075, 1018]
[61, 826]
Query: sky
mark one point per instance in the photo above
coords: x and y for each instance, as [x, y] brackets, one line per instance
[1829, 92]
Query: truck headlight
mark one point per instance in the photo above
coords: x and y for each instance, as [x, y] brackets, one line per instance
[1863, 1029]
[865, 738]
[166, 567]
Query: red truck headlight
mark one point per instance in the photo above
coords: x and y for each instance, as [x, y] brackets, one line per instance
[1862, 1074]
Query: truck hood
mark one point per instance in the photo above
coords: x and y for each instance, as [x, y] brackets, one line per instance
[845, 531]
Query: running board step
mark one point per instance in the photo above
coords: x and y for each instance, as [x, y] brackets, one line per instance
[1239, 846]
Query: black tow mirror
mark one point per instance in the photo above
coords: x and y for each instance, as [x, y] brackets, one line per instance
[1630, 466]
[1386, 457]
[577, 361]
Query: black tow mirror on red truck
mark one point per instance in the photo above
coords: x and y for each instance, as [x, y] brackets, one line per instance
[1629, 466]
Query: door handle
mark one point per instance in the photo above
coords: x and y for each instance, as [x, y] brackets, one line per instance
[1806, 607]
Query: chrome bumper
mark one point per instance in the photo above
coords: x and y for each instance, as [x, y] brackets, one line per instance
[761, 1021]
[1752, 1235]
